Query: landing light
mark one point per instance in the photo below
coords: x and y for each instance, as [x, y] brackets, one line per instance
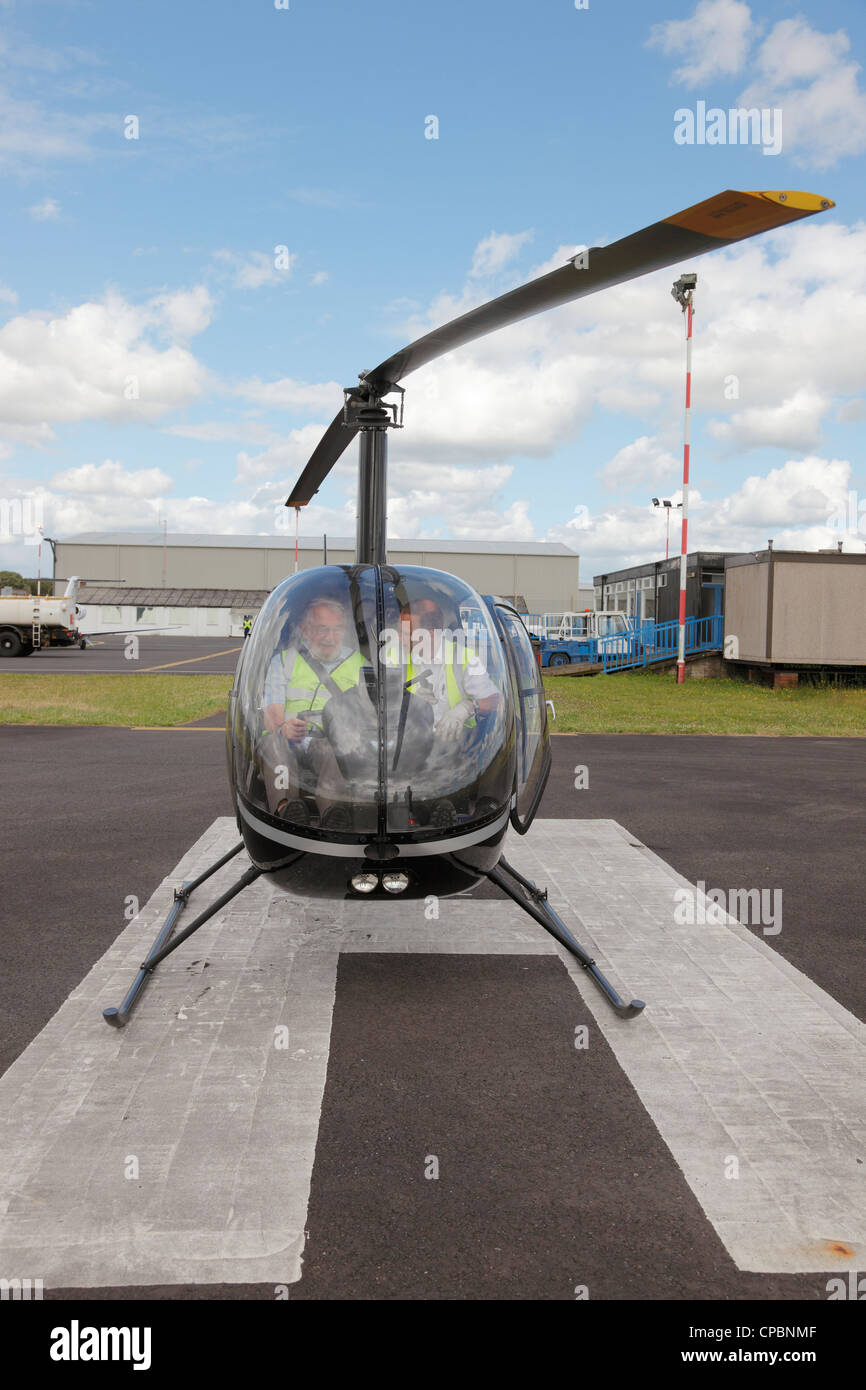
[395, 882]
[365, 883]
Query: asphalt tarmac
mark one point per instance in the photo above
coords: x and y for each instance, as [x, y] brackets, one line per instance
[113, 654]
[552, 1175]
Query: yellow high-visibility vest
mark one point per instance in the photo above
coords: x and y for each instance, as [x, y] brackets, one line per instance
[304, 690]
[453, 689]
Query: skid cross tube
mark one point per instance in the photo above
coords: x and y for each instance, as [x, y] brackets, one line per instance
[534, 901]
[161, 947]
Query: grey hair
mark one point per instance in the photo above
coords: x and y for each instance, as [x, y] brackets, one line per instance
[325, 603]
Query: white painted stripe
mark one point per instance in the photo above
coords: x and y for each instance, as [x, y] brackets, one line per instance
[221, 1123]
[737, 1054]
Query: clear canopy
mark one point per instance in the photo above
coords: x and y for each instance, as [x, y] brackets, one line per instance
[373, 701]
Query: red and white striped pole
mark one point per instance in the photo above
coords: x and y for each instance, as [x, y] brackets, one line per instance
[683, 291]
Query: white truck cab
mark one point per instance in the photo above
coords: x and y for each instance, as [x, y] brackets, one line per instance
[572, 627]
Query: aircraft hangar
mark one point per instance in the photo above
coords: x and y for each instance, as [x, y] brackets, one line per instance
[204, 584]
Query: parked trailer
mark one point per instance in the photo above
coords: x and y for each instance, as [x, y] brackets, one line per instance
[31, 621]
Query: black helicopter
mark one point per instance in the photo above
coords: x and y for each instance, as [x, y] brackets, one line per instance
[388, 723]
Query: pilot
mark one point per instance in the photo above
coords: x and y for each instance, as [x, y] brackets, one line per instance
[295, 753]
[456, 680]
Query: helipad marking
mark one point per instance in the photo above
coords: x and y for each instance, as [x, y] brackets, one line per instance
[180, 1150]
[738, 1054]
[190, 661]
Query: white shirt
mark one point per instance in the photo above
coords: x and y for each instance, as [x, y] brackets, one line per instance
[473, 682]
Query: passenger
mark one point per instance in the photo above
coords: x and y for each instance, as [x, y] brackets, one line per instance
[456, 680]
[295, 754]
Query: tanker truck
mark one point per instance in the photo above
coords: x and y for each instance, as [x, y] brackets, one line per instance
[28, 621]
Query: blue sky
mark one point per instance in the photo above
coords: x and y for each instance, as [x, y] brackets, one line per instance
[161, 357]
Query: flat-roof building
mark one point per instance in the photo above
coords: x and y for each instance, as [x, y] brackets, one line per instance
[204, 584]
[652, 591]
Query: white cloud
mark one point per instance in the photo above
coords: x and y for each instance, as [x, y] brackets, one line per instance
[110, 478]
[460, 502]
[73, 514]
[802, 491]
[184, 313]
[853, 410]
[8, 296]
[33, 436]
[496, 251]
[809, 76]
[794, 424]
[95, 363]
[219, 431]
[442, 500]
[779, 313]
[33, 56]
[714, 41]
[800, 506]
[283, 460]
[31, 134]
[804, 72]
[46, 211]
[642, 463]
[320, 277]
[777, 319]
[287, 394]
[253, 269]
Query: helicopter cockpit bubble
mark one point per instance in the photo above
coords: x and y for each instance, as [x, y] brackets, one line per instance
[371, 702]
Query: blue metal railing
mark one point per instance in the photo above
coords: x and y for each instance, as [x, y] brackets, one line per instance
[651, 642]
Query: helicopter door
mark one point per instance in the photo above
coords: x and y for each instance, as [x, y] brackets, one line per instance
[530, 713]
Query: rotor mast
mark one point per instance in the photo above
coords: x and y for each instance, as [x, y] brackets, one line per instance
[365, 411]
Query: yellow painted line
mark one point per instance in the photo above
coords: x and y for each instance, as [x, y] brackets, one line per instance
[169, 729]
[190, 661]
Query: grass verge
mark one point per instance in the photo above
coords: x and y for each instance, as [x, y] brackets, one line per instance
[631, 702]
[121, 699]
[643, 702]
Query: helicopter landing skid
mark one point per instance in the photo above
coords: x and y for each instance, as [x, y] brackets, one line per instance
[534, 901]
[162, 947]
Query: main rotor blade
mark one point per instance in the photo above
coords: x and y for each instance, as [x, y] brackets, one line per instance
[334, 441]
[728, 217]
